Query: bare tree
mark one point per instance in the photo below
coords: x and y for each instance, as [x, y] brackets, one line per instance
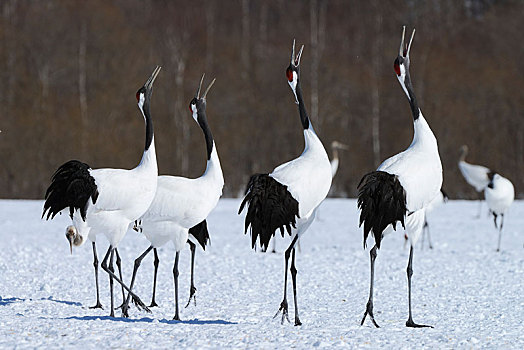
[317, 12]
[82, 88]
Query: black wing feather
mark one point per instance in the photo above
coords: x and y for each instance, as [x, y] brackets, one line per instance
[71, 187]
[200, 233]
[382, 201]
[270, 207]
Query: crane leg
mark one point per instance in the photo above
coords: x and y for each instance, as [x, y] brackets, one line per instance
[113, 276]
[192, 288]
[119, 266]
[294, 279]
[283, 304]
[429, 237]
[369, 305]
[500, 230]
[98, 305]
[155, 262]
[409, 270]
[175, 275]
[111, 252]
[138, 261]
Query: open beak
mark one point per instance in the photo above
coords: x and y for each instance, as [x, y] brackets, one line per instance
[149, 83]
[404, 49]
[295, 60]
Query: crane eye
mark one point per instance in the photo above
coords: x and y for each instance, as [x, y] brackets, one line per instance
[289, 74]
[138, 96]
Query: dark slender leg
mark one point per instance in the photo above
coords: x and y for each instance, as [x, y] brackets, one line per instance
[283, 304]
[369, 305]
[111, 268]
[429, 236]
[119, 266]
[423, 234]
[409, 270]
[98, 305]
[500, 230]
[111, 274]
[294, 279]
[192, 289]
[155, 262]
[175, 275]
[138, 261]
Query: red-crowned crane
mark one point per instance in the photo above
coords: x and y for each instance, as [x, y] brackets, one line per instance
[475, 175]
[181, 203]
[403, 185]
[499, 195]
[107, 200]
[287, 198]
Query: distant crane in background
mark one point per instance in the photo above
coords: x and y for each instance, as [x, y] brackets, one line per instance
[286, 199]
[335, 146]
[475, 175]
[403, 185]
[499, 195]
[181, 203]
[107, 200]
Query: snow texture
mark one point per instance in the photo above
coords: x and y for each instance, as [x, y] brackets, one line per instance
[472, 295]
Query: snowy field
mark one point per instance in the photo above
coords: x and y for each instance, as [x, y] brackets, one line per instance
[472, 295]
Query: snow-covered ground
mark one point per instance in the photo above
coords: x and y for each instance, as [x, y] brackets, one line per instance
[472, 295]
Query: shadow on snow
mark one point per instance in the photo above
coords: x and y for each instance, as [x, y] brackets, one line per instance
[149, 320]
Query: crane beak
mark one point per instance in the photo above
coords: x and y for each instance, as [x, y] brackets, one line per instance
[70, 239]
[149, 83]
[208, 88]
[404, 49]
[295, 60]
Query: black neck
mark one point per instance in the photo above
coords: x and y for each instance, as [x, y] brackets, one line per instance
[302, 108]
[149, 124]
[202, 121]
[412, 99]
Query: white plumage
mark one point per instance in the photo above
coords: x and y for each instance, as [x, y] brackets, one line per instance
[499, 194]
[308, 177]
[475, 175]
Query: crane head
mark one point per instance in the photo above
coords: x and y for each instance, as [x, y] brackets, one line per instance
[144, 93]
[198, 103]
[292, 71]
[339, 145]
[401, 64]
[74, 238]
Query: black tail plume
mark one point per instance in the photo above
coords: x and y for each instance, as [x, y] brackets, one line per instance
[200, 233]
[71, 186]
[382, 201]
[270, 207]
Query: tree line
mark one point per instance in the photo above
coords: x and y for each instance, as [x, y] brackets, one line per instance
[70, 70]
